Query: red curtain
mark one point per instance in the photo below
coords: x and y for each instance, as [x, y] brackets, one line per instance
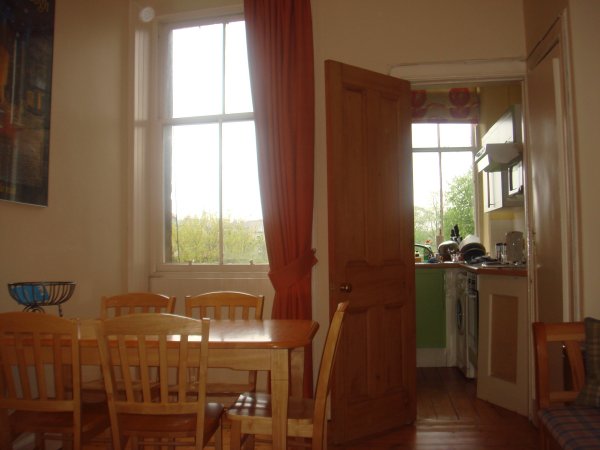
[280, 52]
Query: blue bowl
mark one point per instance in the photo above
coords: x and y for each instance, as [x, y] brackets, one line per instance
[41, 292]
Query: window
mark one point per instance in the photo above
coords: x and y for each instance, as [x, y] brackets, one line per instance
[212, 203]
[442, 180]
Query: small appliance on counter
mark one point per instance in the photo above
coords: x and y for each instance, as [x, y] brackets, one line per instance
[514, 247]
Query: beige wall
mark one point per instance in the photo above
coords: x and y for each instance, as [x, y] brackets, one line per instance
[380, 35]
[585, 34]
[539, 15]
[81, 235]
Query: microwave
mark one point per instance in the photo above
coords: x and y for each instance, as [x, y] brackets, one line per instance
[515, 178]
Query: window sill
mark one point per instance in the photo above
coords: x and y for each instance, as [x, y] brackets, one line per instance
[190, 271]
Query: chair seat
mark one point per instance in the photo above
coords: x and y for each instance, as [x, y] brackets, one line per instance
[183, 425]
[252, 413]
[227, 388]
[573, 427]
[258, 405]
[94, 420]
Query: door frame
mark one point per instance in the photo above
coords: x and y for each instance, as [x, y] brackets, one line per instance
[515, 69]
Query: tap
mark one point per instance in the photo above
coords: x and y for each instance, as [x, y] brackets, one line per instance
[427, 252]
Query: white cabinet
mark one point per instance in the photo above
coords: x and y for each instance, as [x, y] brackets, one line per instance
[496, 182]
[502, 360]
[496, 193]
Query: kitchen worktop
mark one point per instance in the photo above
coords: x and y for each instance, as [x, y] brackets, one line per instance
[478, 269]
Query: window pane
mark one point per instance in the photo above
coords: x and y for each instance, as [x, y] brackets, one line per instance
[457, 182]
[238, 96]
[243, 233]
[426, 176]
[194, 193]
[424, 135]
[456, 135]
[197, 77]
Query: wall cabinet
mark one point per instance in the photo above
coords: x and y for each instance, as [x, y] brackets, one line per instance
[496, 191]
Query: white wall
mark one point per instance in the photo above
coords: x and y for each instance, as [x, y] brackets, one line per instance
[81, 235]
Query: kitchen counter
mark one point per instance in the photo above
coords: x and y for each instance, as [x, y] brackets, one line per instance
[479, 270]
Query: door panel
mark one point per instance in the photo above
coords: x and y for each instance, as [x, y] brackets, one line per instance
[503, 350]
[547, 186]
[371, 249]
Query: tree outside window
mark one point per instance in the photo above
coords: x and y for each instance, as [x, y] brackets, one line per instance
[212, 204]
[443, 181]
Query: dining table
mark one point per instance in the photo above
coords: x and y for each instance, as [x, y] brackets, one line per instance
[269, 344]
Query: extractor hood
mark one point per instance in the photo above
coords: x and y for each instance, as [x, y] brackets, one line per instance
[497, 157]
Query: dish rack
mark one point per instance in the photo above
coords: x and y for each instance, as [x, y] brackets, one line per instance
[34, 295]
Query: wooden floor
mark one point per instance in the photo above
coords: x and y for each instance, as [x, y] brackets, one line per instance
[450, 417]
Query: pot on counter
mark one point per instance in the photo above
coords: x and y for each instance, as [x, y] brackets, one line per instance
[446, 248]
[471, 251]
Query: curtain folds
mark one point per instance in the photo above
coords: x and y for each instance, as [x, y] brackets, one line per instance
[280, 53]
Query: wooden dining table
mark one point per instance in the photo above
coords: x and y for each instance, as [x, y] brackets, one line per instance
[242, 345]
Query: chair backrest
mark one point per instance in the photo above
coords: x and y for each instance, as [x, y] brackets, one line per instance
[325, 373]
[135, 345]
[571, 336]
[225, 305]
[34, 375]
[136, 302]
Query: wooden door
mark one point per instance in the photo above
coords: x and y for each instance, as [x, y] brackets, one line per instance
[550, 234]
[371, 259]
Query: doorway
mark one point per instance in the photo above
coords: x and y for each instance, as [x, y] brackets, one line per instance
[499, 86]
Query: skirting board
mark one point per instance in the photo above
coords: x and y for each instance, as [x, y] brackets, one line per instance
[432, 357]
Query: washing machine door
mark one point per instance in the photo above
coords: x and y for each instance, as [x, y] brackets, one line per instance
[460, 315]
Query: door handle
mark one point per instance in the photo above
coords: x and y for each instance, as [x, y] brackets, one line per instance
[345, 288]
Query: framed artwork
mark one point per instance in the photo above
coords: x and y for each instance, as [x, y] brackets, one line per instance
[26, 44]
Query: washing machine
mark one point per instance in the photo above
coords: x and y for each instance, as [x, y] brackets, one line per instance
[472, 323]
[463, 320]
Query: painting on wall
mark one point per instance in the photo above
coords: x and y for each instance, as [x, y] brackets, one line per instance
[26, 44]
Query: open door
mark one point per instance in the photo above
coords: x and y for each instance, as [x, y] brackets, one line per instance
[371, 259]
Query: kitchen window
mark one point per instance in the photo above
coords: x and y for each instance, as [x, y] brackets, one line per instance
[443, 180]
[212, 210]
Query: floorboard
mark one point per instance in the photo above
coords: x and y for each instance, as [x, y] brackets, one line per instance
[450, 417]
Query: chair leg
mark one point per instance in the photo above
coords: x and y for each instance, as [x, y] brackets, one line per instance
[218, 436]
[249, 442]
[235, 435]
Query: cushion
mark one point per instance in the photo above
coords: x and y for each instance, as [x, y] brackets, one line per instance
[573, 427]
[590, 394]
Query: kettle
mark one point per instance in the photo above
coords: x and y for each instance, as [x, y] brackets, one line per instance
[514, 247]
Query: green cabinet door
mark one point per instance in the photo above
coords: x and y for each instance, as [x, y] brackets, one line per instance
[431, 308]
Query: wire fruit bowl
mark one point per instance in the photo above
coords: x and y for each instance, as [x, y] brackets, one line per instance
[35, 294]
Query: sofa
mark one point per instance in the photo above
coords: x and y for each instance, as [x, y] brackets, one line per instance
[568, 416]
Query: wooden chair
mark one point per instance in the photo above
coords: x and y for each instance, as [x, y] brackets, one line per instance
[251, 413]
[226, 305]
[40, 381]
[136, 302]
[568, 338]
[119, 305]
[134, 345]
